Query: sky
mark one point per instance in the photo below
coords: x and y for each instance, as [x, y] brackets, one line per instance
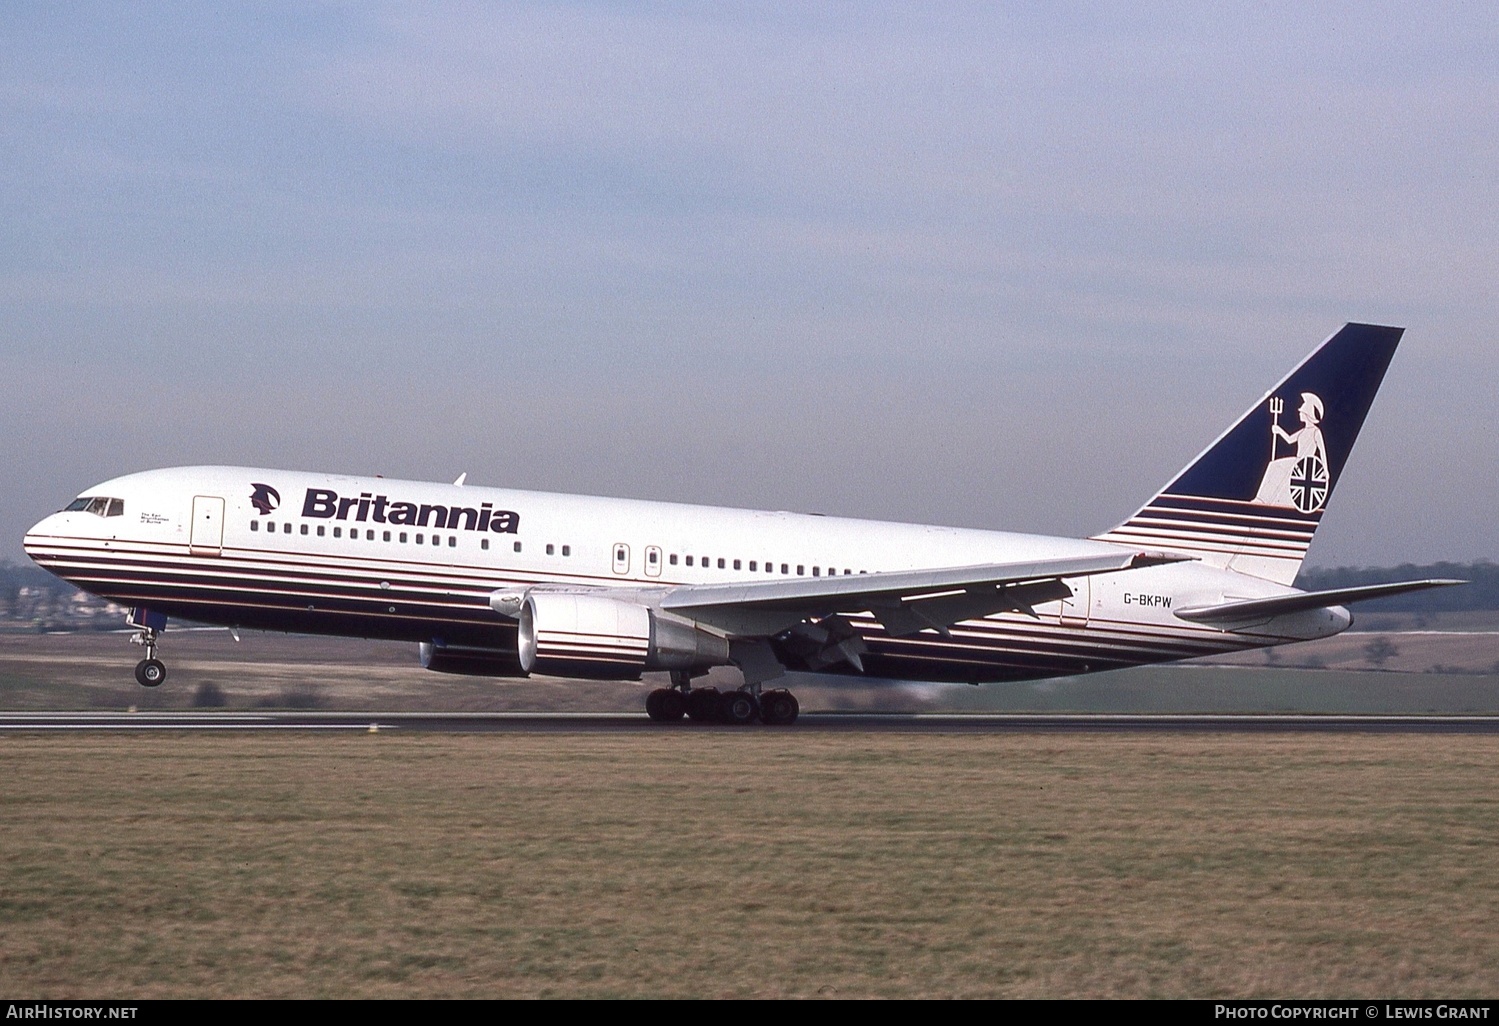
[1005, 266]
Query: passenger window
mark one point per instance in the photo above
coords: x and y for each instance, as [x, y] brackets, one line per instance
[338, 532]
[673, 559]
[754, 565]
[484, 544]
[286, 529]
[517, 546]
[304, 529]
[567, 550]
[270, 527]
[387, 536]
[369, 535]
[255, 525]
[436, 540]
[736, 564]
[800, 570]
[320, 530]
[689, 560]
[402, 536]
[814, 572]
[452, 541]
[551, 549]
[720, 562]
[784, 569]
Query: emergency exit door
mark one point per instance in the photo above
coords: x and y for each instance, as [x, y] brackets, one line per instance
[1074, 612]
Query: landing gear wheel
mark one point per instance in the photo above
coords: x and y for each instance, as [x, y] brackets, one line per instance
[664, 705]
[702, 705]
[739, 708]
[149, 673]
[778, 708]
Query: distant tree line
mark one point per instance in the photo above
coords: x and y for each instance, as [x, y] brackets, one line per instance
[32, 598]
[1482, 593]
[13, 578]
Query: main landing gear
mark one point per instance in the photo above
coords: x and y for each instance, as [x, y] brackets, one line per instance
[777, 708]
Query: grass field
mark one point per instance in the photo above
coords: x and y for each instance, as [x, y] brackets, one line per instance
[693, 863]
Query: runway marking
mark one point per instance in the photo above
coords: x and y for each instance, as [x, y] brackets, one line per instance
[189, 726]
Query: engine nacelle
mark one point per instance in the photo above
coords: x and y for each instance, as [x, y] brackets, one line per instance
[470, 661]
[594, 636]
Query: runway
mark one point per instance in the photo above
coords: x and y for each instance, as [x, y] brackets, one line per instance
[618, 723]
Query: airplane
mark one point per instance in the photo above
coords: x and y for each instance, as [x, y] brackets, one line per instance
[504, 583]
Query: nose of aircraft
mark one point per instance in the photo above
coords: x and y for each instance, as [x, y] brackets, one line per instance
[47, 527]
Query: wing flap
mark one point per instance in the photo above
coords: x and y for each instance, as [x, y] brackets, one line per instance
[940, 611]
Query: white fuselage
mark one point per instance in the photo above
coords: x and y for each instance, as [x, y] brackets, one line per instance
[414, 561]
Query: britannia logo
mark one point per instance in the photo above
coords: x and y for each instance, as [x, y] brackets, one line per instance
[1299, 480]
[264, 498]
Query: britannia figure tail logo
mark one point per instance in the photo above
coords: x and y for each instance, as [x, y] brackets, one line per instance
[1298, 480]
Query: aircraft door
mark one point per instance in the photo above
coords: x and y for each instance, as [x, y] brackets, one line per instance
[207, 536]
[621, 558]
[653, 561]
[1075, 609]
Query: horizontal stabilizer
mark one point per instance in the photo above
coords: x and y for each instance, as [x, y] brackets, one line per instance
[1251, 609]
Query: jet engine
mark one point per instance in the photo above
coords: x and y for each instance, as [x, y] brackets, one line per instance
[580, 635]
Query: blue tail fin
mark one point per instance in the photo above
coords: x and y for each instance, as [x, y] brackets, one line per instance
[1252, 500]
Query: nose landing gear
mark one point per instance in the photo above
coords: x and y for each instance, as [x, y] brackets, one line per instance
[150, 672]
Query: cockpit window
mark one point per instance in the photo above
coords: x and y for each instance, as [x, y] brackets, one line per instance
[98, 505]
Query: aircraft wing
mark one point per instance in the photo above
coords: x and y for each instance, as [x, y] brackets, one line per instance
[904, 601]
[1251, 609]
